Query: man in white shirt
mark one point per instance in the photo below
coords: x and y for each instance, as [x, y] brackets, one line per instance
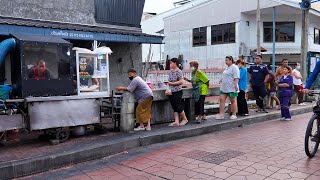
[297, 82]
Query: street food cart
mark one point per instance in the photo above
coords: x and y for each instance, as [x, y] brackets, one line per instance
[67, 99]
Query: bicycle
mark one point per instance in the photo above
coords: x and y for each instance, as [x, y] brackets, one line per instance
[312, 136]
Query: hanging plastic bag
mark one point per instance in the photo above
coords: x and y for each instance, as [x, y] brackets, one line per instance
[168, 91]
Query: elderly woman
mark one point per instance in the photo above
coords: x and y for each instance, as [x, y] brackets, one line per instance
[175, 84]
[200, 88]
[229, 88]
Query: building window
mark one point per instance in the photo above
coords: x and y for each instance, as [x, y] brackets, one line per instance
[223, 33]
[284, 31]
[200, 36]
[316, 36]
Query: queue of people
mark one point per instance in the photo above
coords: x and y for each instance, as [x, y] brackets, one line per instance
[233, 83]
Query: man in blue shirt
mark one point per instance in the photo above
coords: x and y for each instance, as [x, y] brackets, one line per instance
[258, 77]
[243, 81]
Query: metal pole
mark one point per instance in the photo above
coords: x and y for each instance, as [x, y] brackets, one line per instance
[258, 28]
[274, 39]
[304, 43]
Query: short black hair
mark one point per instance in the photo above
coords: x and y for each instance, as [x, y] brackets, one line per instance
[284, 60]
[269, 66]
[132, 70]
[287, 67]
[175, 60]
[259, 56]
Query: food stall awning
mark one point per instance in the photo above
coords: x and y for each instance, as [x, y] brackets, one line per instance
[69, 31]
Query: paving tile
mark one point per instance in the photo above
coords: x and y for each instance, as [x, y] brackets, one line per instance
[246, 176]
[159, 169]
[199, 166]
[205, 177]
[221, 171]
[171, 172]
[177, 161]
[313, 177]
[289, 174]
[80, 177]
[262, 169]
[196, 154]
[221, 156]
[139, 163]
[237, 164]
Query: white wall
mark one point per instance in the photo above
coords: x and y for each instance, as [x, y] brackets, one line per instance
[213, 12]
[314, 23]
[156, 24]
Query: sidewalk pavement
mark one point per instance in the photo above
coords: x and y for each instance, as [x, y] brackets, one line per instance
[34, 156]
[272, 150]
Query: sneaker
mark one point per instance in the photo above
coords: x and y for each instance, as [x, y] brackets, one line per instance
[219, 117]
[302, 104]
[233, 117]
[246, 114]
[287, 119]
[148, 128]
[283, 118]
[265, 111]
[139, 128]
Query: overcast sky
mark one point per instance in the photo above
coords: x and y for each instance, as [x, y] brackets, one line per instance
[158, 6]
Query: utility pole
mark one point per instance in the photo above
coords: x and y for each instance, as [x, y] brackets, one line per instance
[258, 28]
[304, 42]
[274, 39]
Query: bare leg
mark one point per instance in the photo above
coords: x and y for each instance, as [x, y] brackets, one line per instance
[141, 124]
[233, 106]
[184, 118]
[149, 124]
[176, 118]
[223, 98]
[271, 103]
[276, 99]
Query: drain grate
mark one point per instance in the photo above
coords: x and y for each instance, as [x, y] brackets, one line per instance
[214, 158]
[221, 156]
[196, 154]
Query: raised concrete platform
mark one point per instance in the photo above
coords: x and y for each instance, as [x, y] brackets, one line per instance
[103, 146]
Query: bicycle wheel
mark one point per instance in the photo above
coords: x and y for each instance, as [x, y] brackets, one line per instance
[311, 141]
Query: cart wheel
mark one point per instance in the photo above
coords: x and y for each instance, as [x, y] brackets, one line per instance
[62, 135]
[50, 133]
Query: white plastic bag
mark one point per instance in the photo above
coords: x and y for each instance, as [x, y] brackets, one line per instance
[168, 91]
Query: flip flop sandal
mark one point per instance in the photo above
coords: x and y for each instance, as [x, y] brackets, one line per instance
[183, 122]
[173, 124]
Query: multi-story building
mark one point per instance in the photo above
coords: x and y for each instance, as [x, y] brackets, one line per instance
[213, 29]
